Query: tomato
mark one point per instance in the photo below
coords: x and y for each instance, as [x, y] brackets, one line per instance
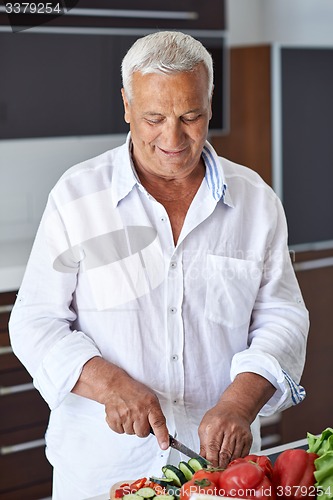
[197, 486]
[213, 475]
[245, 480]
[264, 463]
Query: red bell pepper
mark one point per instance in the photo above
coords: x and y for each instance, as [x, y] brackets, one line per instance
[293, 475]
[245, 479]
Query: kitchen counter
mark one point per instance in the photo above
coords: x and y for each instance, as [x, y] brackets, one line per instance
[271, 452]
[13, 259]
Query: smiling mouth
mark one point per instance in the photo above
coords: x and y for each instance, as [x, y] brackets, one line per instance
[171, 153]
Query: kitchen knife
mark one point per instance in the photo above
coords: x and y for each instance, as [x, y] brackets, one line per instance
[177, 445]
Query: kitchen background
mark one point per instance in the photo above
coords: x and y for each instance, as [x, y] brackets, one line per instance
[274, 114]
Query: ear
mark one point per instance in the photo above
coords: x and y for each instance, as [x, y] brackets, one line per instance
[210, 105]
[127, 112]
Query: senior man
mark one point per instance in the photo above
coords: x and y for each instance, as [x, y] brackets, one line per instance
[159, 292]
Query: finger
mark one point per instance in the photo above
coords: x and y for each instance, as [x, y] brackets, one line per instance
[226, 451]
[224, 457]
[241, 450]
[158, 424]
[211, 452]
[141, 428]
[114, 425]
[128, 428]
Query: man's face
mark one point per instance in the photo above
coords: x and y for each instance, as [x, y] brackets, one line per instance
[168, 117]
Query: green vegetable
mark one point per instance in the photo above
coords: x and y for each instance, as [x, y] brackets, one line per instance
[186, 470]
[323, 446]
[198, 463]
[132, 496]
[324, 474]
[162, 481]
[146, 492]
[175, 474]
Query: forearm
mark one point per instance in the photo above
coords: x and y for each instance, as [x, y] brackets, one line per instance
[99, 379]
[249, 392]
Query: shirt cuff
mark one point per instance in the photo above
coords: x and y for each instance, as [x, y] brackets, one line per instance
[288, 392]
[62, 366]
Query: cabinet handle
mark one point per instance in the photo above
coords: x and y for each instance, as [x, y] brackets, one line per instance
[7, 450]
[5, 350]
[4, 391]
[6, 308]
[144, 14]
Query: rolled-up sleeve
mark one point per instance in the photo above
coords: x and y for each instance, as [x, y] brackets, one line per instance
[41, 323]
[279, 326]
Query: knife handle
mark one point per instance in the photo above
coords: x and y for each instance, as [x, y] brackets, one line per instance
[153, 433]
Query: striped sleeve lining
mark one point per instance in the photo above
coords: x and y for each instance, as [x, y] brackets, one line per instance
[297, 391]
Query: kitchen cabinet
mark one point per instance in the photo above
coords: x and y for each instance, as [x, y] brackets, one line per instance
[82, 51]
[281, 117]
[25, 471]
[126, 14]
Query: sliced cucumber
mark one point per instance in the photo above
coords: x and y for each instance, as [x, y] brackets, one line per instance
[186, 469]
[198, 463]
[132, 496]
[166, 497]
[162, 481]
[146, 492]
[175, 474]
[173, 490]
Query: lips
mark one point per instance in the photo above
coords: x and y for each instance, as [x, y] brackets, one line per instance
[175, 153]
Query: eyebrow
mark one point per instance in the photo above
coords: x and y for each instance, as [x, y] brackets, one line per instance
[153, 113]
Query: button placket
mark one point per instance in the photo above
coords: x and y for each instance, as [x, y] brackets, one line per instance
[175, 328]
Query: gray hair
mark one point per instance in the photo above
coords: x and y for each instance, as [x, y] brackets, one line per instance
[165, 52]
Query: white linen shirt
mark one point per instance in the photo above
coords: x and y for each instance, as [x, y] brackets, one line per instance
[105, 279]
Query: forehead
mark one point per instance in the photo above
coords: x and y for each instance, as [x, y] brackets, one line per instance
[190, 84]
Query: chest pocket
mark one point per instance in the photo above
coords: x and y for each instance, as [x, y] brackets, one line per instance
[232, 287]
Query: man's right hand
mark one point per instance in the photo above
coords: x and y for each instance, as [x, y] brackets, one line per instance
[130, 406]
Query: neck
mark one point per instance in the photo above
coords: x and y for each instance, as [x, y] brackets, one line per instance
[171, 189]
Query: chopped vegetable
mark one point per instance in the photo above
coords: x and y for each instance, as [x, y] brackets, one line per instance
[162, 481]
[186, 470]
[132, 496]
[139, 483]
[198, 463]
[175, 474]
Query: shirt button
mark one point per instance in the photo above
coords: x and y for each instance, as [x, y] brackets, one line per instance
[174, 401]
[173, 265]
[173, 310]
[174, 357]
[163, 218]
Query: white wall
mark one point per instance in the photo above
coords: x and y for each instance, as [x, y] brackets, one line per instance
[298, 22]
[29, 168]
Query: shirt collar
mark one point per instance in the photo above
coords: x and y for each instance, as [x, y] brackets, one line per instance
[215, 176]
[125, 176]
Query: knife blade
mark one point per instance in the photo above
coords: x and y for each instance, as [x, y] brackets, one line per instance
[177, 445]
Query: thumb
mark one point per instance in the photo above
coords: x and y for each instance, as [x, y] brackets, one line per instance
[159, 429]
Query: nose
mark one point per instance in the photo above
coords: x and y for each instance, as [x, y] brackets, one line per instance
[173, 135]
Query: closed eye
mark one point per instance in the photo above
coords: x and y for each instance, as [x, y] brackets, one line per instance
[189, 119]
